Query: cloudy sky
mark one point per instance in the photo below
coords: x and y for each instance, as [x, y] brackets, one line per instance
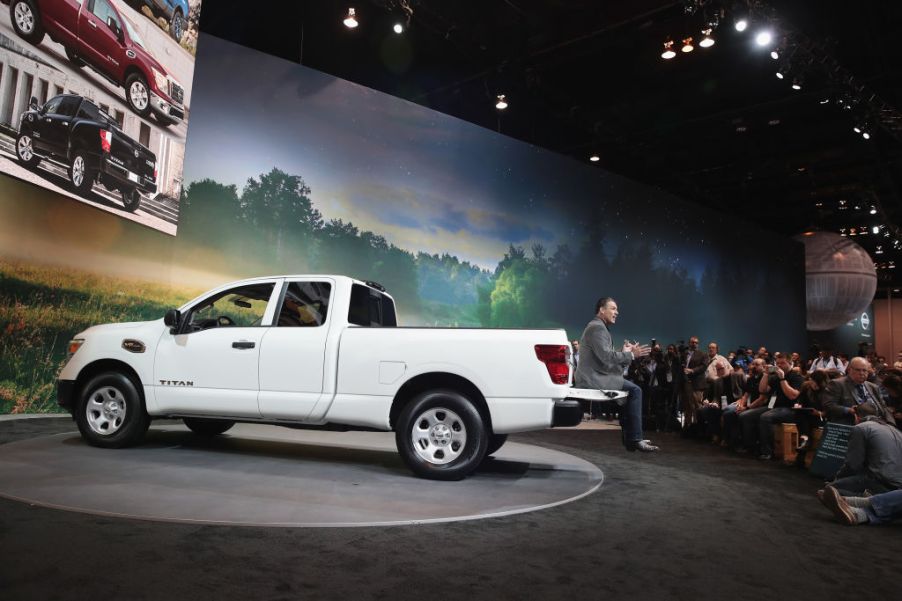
[424, 180]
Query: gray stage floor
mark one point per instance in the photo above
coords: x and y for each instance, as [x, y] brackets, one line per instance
[272, 476]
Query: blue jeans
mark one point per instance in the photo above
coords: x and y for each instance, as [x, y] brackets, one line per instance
[885, 507]
[777, 415]
[631, 413]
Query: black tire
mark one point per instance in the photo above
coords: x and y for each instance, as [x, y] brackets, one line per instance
[208, 427]
[496, 441]
[26, 21]
[177, 25]
[110, 412]
[137, 94]
[25, 151]
[428, 428]
[131, 199]
[80, 175]
[74, 58]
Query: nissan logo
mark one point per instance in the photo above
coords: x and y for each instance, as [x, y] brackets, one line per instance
[865, 321]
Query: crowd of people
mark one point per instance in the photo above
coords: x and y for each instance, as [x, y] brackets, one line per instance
[735, 399]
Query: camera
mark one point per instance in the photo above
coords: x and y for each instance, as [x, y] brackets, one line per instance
[771, 369]
[653, 342]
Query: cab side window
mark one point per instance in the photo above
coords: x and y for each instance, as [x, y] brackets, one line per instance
[52, 106]
[371, 308]
[242, 307]
[68, 106]
[305, 305]
[103, 11]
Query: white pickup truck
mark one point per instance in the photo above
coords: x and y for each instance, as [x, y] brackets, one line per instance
[319, 351]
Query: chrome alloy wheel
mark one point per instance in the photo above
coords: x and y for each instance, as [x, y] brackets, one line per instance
[137, 93]
[24, 18]
[438, 435]
[105, 410]
[78, 171]
[25, 149]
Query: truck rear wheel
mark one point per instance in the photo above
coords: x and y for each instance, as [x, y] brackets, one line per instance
[177, 25]
[110, 412]
[441, 435]
[81, 176]
[26, 21]
[131, 199]
[207, 427]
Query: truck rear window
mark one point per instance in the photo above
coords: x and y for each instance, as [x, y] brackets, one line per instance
[371, 308]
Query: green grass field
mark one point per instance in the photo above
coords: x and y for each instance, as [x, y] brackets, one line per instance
[43, 307]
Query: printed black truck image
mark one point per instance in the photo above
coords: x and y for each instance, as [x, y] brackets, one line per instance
[73, 131]
[96, 34]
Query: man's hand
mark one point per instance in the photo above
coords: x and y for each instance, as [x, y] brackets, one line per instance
[779, 373]
[638, 350]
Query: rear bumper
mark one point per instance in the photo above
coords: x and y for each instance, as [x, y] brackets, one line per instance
[65, 394]
[126, 178]
[567, 413]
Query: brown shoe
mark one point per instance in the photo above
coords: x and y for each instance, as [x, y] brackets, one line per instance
[833, 501]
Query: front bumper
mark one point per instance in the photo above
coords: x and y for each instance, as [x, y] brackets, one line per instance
[567, 413]
[65, 394]
[164, 107]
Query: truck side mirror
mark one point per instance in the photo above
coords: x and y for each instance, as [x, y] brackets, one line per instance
[33, 103]
[173, 319]
[113, 24]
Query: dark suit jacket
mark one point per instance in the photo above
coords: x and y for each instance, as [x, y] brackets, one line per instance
[600, 366]
[698, 363]
[840, 395]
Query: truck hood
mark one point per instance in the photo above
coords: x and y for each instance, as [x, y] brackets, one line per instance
[108, 329]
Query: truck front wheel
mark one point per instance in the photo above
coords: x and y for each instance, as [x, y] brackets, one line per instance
[26, 20]
[441, 435]
[25, 151]
[110, 412]
[137, 94]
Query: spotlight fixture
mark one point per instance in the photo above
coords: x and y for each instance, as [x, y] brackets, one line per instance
[707, 40]
[741, 24]
[501, 103]
[879, 250]
[875, 229]
[796, 84]
[856, 129]
[774, 54]
[351, 20]
[865, 135]
[398, 27]
[780, 73]
[668, 50]
[873, 210]
[764, 38]
[594, 158]
[687, 45]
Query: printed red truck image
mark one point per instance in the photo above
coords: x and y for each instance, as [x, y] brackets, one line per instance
[96, 34]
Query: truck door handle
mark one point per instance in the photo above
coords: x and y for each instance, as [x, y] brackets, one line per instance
[242, 344]
[92, 23]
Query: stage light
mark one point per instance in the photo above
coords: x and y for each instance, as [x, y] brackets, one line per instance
[774, 54]
[668, 50]
[873, 210]
[796, 84]
[351, 20]
[687, 45]
[865, 135]
[856, 129]
[594, 158]
[879, 250]
[875, 229]
[780, 74]
[764, 38]
[707, 40]
[741, 24]
[501, 104]
[398, 28]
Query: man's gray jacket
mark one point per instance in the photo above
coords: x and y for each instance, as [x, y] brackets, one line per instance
[600, 366]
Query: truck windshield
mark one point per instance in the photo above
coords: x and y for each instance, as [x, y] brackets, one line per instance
[133, 33]
[370, 308]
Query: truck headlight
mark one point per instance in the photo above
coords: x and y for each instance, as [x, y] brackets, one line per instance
[161, 82]
[73, 347]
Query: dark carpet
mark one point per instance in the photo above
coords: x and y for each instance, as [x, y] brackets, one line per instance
[692, 522]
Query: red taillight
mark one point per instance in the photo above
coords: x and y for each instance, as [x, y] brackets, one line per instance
[154, 174]
[554, 356]
[106, 138]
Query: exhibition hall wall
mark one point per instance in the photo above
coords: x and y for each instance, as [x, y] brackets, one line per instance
[288, 170]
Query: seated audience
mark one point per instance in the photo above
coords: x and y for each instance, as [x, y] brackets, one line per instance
[783, 386]
[844, 396]
[809, 407]
[749, 398]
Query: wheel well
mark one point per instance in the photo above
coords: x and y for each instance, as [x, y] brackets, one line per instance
[103, 365]
[432, 381]
[133, 69]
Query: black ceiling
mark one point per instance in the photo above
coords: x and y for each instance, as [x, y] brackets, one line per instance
[714, 126]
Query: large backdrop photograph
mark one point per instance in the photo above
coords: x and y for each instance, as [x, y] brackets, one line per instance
[289, 170]
[95, 97]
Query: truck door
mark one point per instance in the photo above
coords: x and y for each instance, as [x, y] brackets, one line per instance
[293, 351]
[211, 365]
[98, 27]
[55, 124]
